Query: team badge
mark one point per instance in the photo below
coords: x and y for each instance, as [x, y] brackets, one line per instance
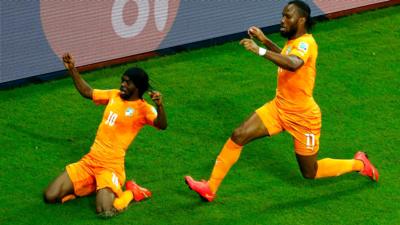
[303, 46]
[129, 111]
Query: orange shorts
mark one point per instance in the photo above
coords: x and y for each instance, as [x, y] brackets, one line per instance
[305, 127]
[88, 176]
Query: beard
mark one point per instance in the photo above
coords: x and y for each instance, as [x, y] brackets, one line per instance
[288, 34]
[124, 94]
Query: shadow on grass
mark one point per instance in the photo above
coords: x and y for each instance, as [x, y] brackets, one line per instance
[323, 198]
[43, 143]
[47, 137]
[43, 136]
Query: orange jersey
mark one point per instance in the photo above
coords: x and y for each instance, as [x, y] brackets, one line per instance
[122, 120]
[294, 91]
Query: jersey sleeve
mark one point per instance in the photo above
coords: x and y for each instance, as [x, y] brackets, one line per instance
[302, 49]
[101, 97]
[151, 115]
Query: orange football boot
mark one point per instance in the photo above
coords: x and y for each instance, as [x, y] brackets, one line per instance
[201, 187]
[369, 169]
[139, 193]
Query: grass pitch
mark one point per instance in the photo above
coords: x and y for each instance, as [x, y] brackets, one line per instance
[207, 93]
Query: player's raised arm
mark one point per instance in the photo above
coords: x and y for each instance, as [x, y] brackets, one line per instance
[84, 89]
[287, 62]
[161, 120]
[257, 33]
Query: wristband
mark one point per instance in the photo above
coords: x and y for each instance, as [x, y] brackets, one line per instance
[262, 51]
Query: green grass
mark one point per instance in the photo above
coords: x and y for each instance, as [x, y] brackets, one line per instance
[208, 92]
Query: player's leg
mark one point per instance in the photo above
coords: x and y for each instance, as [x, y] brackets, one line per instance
[109, 205]
[62, 186]
[311, 168]
[133, 192]
[108, 189]
[305, 129]
[251, 129]
[77, 180]
[327, 167]
[110, 198]
[104, 202]
[264, 122]
[308, 165]
[335, 167]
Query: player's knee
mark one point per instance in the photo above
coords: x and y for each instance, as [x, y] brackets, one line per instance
[103, 207]
[50, 196]
[105, 211]
[309, 174]
[104, 204]
[106, 214]
[239, 136]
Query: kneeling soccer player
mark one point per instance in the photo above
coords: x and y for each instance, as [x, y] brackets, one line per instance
[293, 109]
[102, 170]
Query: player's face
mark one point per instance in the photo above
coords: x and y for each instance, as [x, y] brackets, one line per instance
[127, 88]
[289, 21]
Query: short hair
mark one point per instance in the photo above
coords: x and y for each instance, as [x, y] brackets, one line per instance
[140, 78]
[305, 11]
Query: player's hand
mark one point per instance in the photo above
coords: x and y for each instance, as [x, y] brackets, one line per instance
[255, 32]
[69, 61]
[156, 97]
[249, 45]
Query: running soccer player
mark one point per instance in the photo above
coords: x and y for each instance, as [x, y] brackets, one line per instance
[293, 109]
[102, 170]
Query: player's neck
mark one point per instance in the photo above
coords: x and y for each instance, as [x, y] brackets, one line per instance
[298, 34]
[132, 98]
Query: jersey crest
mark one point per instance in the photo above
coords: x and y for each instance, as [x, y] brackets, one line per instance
[129, 111]
[303, 46]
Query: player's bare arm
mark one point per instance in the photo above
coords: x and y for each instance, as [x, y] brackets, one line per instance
[255, 32]
[290, 62]
[161, 120]
[83, 88]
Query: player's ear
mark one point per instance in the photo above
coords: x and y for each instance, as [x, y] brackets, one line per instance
[302, 21]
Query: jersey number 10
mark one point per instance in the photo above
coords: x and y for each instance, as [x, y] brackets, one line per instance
[111, 119]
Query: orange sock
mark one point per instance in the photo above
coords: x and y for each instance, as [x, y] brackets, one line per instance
[358, 165]
[227, 157]
[67, 198]
[123, 201]
[335, 167]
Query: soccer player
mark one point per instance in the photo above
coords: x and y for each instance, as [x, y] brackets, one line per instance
[102, 170]
[293, 109]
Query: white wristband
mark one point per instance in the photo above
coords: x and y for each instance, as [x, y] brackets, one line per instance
[262, 51]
